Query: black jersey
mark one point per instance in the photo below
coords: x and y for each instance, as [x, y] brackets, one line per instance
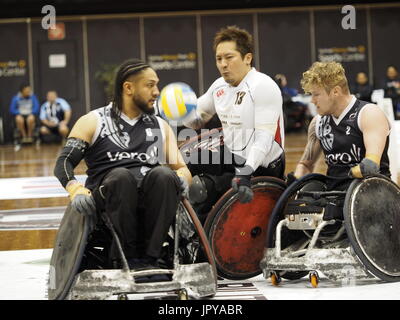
[139, 146]
[342, 142]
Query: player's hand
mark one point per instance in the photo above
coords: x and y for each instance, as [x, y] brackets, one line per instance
[81, 199]
[242, 185]
[183, 187]
[368, 166]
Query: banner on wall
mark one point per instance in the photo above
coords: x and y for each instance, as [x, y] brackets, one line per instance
[342, 54]
[13, 68]
[177, 61]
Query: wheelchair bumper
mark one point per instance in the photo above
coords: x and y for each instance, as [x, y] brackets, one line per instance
[198, 279]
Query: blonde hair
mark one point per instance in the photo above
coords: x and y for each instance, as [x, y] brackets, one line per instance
[326, 75]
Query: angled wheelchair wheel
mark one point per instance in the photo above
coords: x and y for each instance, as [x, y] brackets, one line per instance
[237, 231]
[69, 247]
[372, 221]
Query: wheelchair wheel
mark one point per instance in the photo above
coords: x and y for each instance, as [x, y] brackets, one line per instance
[237, 232]
[372, 221]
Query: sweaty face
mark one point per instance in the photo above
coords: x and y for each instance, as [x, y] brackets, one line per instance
[232, 67]
[146, 90]
[323, 101]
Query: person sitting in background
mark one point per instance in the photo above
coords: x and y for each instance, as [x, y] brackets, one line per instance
[25, 106]
[362, 89]
[55, 114]
[392, 88]
[294, 111]
[281, 80]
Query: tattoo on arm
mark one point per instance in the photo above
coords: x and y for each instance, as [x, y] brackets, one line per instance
[313, 148]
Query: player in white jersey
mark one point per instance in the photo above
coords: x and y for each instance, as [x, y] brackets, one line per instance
[249, 106]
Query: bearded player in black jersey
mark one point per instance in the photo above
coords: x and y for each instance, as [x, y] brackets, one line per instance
[133, 161]
[353, 134]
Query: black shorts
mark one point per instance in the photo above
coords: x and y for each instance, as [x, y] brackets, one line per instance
[53, 130]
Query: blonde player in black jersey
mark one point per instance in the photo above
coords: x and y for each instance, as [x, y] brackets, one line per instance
[353, 134]
[125, 146]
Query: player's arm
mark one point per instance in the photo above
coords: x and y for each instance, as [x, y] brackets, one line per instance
[203, 113]
[267, 112]
[173, 156]
[74, 150]
[311, 153]
[375, 128]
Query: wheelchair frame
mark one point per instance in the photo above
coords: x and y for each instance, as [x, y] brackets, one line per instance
[197, 279]
[336, 258]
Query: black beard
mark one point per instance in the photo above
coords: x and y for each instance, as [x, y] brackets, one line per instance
[143, 106]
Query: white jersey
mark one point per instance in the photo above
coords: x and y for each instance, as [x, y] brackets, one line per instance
[251, 116]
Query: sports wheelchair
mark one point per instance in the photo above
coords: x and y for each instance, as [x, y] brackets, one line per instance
[236, 232]
[80, 266]
[347, 234]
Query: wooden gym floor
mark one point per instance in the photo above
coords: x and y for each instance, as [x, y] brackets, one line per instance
[32, 223]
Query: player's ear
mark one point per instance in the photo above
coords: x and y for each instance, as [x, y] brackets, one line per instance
[336, 90]
[128, 87]
[248, 57]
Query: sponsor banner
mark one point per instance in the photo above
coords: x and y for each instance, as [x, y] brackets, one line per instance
[13, 68]
[176, 61]
[343, 54]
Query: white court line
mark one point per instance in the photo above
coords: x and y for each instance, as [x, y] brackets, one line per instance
[33, 187]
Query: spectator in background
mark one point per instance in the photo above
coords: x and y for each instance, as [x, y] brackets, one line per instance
[392, 88]
[281, 80]
[55, 114]
[25, 107]
[362, 89]
[294, 111]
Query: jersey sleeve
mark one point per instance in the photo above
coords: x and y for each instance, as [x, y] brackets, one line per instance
[267, 118]
[42, 115]
[204, 111]
[64, 104]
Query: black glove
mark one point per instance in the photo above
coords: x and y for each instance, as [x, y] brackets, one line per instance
[290, 178]
[84, 204]
[242, 185]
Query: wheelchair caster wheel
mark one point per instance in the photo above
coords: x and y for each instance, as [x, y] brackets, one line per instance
[182, 294]
[275, 278]
[314, 279]
[122, 296]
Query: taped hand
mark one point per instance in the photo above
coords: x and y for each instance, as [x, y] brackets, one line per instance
[81, 199]
[368, 166]
[183, 187]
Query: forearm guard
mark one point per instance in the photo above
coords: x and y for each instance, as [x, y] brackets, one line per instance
[73, 152]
